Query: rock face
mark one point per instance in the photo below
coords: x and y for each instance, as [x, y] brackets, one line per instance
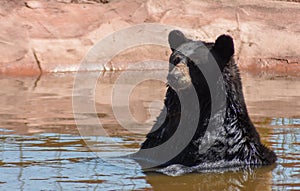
[54, 36]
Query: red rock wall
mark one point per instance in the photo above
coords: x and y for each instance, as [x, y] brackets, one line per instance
[54, 36]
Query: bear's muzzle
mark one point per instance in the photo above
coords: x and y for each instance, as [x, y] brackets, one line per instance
[179, 77]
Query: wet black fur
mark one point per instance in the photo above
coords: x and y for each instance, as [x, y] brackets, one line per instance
[238, 142]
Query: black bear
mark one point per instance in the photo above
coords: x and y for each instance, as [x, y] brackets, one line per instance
[232, 139]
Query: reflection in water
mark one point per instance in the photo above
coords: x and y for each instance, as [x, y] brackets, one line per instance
[285, 121]
[256, 179]
[286, 143]
[60, 162]
[41, 148]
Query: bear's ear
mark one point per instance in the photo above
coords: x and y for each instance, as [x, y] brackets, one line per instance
[224, 47]
[176, 38]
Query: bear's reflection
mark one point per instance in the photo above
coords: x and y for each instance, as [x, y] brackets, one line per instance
[250, 179]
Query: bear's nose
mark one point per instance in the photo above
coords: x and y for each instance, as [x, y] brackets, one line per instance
[176, 60]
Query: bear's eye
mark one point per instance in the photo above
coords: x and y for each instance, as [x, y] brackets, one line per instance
[176, 60]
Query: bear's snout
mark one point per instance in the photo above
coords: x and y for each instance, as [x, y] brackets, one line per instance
[179, 77]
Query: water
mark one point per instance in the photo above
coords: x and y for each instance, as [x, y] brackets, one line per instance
[41, 147]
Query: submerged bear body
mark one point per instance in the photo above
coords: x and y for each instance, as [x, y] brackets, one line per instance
[234, 140]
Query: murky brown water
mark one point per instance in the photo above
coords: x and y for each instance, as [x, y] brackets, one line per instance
[41, 147]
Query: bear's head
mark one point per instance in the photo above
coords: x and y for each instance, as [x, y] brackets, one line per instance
[188, 57]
